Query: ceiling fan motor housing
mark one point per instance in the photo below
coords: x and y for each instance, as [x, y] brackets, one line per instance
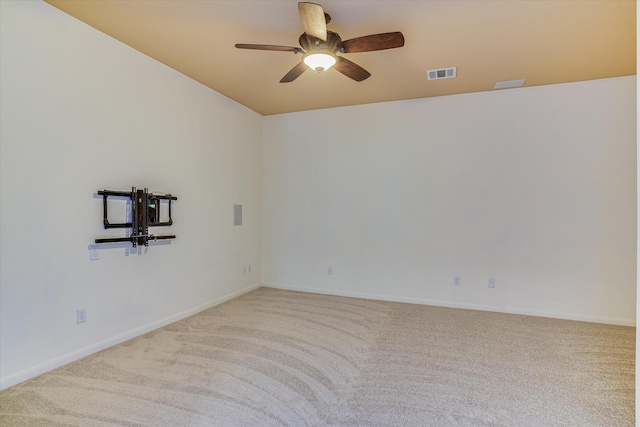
[310, 43]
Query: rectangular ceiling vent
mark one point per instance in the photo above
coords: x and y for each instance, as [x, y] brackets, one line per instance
[441, 73]
[508, 84]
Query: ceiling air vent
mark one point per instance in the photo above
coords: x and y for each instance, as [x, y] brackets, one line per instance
[508, 84]
[441, 73]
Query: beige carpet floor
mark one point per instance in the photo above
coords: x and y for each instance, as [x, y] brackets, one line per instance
[282, 358]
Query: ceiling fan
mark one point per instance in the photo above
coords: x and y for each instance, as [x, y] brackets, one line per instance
[319, 46]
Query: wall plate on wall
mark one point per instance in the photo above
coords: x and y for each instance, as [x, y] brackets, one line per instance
[237, 214]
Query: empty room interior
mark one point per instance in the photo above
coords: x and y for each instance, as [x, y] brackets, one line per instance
[436, 228]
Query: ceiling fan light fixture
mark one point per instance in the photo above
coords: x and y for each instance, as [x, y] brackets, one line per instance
[320, 60]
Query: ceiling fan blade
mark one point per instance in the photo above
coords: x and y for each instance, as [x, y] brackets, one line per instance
[294, 73]
[374, 42]
[351, 69]
[313, 20]
[268, 47]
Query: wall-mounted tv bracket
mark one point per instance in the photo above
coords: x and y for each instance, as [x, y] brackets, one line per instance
[145, 213]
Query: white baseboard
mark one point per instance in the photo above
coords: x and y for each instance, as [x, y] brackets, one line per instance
[438, 303]
[29, 373]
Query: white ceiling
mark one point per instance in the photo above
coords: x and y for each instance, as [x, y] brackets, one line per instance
[544, 42]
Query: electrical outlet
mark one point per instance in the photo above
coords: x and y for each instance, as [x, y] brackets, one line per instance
[492, 282]
[329, 271]
[249, 268]
[456, 281]
[81, 315]
[94, 254]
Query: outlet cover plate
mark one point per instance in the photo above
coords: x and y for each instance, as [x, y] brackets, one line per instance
[81, 315]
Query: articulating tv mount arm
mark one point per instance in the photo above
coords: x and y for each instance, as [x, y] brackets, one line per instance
[145, 213]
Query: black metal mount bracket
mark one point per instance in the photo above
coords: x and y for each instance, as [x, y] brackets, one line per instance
[145, 213]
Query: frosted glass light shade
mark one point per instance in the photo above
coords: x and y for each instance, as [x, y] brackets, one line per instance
[319, 61]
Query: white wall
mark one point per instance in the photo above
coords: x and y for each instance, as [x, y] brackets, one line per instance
[82, 112]
[535, 187]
